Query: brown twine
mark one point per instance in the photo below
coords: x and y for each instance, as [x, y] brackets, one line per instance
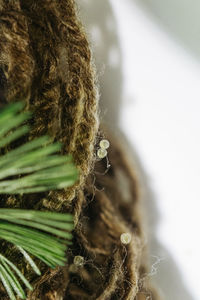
[46, 60]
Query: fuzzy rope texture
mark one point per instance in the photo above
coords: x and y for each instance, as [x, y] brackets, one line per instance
[46, 60]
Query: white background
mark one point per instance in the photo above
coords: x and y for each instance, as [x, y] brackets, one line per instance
[147, 55]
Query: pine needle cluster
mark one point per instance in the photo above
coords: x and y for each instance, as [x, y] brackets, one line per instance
[32, 167]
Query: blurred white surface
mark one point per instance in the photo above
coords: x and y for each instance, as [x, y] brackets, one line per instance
[150, 89]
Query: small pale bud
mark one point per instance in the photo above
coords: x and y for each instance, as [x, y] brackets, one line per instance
[101, 153]
[78, 260]
[125, 238]
[104, 144]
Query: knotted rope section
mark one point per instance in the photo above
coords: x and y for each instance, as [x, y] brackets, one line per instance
[45, 59]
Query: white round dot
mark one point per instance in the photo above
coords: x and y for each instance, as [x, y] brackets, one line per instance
[104, 144]
[125, 238]
[78, 260]
[101, 153]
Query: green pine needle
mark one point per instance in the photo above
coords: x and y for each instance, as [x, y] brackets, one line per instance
[34, 230]
[32, 167]
[29, 260]
[9, 280]
[37, 163]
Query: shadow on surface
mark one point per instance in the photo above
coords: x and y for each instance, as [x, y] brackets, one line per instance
[101, 26]
[180, 18]
[164, 272]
